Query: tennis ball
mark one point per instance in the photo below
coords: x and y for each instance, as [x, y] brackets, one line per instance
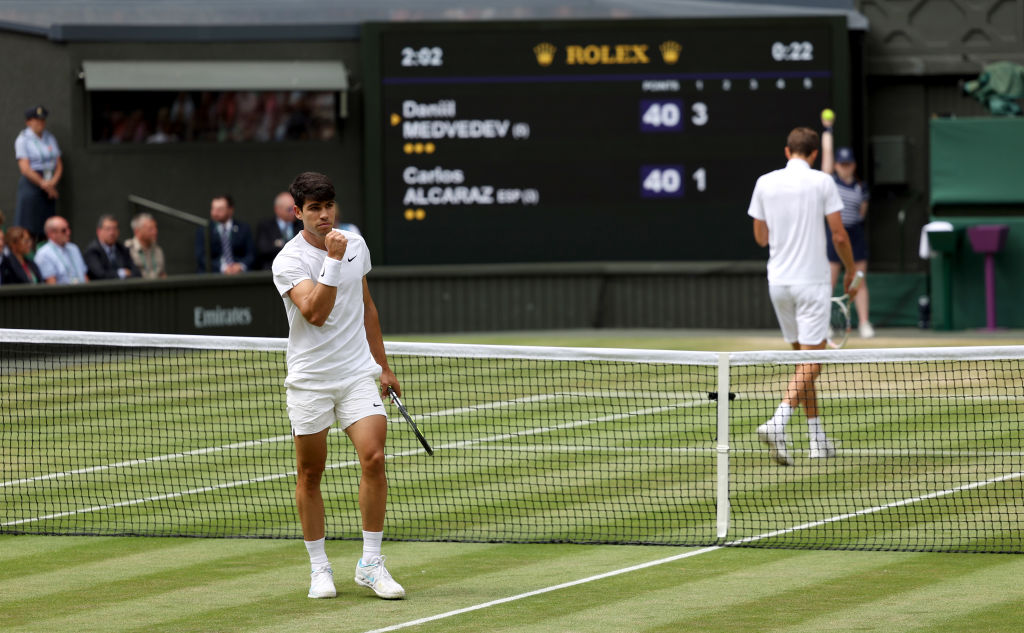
[828, 116]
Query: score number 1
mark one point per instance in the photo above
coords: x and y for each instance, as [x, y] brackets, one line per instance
[666, 115]
[666, 181]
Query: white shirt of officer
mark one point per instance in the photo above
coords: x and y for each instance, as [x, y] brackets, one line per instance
[42, 152]
[336, 350]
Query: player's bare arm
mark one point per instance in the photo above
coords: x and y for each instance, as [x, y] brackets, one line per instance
[761, 232]
[841, 240]
[371, 322]
[316, 300]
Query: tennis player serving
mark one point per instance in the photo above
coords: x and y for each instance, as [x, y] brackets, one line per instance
[788, 206]
[335, 353]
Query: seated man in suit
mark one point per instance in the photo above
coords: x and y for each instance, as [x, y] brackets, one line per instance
[273, 233]
[231, 246]
[105, 257]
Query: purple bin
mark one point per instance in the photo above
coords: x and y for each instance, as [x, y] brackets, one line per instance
[989, 239]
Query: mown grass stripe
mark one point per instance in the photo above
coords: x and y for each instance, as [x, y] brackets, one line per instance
[258, 442]
[343, 464]
[670, 559]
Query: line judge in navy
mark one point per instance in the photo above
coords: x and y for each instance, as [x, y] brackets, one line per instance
[39, 161]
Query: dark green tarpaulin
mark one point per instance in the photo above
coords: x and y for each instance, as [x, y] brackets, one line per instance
[977, 161]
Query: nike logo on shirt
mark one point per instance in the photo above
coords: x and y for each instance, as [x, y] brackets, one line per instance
[353, 257]
[377, 404]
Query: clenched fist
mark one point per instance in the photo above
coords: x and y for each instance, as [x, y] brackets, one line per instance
[336, 244]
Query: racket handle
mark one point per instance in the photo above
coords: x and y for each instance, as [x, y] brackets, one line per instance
[857, 279]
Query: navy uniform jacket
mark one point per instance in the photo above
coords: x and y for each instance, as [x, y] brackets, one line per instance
[241, 245]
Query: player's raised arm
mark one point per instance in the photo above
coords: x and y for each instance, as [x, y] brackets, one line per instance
[316, 300]
[828, 119]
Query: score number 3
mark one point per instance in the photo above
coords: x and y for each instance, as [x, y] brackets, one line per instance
[667, 115]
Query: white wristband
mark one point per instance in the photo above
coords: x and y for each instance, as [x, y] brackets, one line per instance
[330, 272]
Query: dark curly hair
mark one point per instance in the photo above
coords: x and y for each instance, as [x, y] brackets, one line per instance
[311, 186]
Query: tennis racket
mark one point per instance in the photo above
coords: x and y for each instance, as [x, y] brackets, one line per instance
[405, 414]
[839, 321]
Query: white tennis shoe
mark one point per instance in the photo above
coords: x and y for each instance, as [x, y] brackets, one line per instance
[375, 576]
[321, 583]
[821, 449]
[775, 440]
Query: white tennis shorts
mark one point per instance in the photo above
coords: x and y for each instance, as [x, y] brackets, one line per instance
[314, 405]
[803, 311]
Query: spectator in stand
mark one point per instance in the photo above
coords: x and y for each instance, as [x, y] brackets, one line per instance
[231, 245]
[273, 233]
[41, 167]
[18, 267]
[3, 252]
[146, 254]
[105, 257]
[59, 259]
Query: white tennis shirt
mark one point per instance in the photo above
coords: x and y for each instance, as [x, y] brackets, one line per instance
[337, 350]
[794, 202]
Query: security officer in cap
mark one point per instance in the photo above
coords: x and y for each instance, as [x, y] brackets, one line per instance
[39, 161]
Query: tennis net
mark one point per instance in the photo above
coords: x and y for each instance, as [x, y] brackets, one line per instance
[171, 435]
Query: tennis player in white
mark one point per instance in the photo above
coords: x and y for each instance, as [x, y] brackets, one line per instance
[790, 208]
[335, 354]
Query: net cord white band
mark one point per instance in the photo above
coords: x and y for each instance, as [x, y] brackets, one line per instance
[457, 350]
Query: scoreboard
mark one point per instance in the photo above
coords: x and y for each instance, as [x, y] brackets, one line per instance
[585, 141]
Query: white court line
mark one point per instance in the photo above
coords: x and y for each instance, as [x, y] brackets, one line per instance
[146, 460]
[479, 407]
[248, 444]
[894, 504]
[538, 592]
[704, 550]
[758, 450]
[345, 464]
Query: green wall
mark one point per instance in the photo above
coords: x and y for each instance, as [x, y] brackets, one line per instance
[976, 161]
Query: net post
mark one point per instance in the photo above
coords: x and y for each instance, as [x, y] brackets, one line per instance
[722, 449]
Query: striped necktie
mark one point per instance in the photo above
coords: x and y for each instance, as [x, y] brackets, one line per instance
[226, 256]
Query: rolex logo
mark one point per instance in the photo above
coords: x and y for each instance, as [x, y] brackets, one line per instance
[545, 53]
[670, 51]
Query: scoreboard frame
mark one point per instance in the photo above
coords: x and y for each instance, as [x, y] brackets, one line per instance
[445, 34]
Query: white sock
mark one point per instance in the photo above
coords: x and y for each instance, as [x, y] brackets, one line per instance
[317, 555]
[371, 545]
[815, 430]
[781, 417]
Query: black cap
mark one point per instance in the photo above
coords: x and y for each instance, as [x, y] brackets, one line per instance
[38, 112]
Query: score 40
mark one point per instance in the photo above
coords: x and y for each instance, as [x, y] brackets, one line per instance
[666, 181]
[666, 115]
